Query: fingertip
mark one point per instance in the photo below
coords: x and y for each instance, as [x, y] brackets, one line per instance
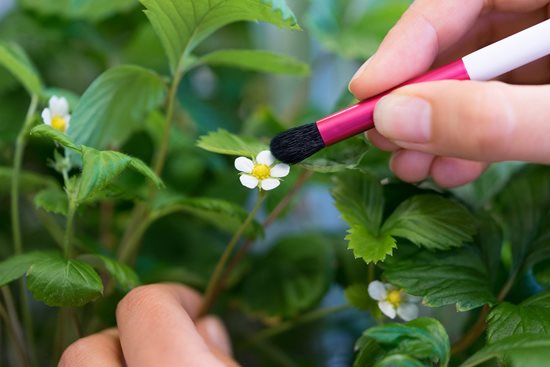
[452, 172]
[214, 332]
[379, 141]
[411, 166]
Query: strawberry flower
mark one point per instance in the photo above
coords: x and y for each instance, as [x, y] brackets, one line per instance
[261, 172]
[57, 114]
[393, 301]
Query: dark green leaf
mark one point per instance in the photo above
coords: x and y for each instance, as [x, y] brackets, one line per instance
[399, 360]
[45, 131]
[358, 296]
[80, 9]
[531, 344]
[339, 157]
[223, 142]
[541, 271]
[442, 278]
[16, 266]
[431, 221]
[14, 58]
[53, 200]
[122, 273]
[182, 25]
[255, 60]
[369, 352]
[59, 282]
[532, 316]
[289, 279]
[359, 199]
[28, 181]
[115, 106]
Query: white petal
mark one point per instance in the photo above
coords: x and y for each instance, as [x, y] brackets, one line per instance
[408, 311]
[269, 184]
[47, 116]
[280, 170]
[265, 157]
[244, 164]
[59, 106]
[377, 290]
[249, 181]
[387, 309]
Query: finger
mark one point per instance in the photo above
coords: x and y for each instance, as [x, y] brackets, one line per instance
[426, 29]
[480, 121]
[453, 172]
[102, 349]
[215, 335]
[157, 329]
[411, 166]
[378, 140]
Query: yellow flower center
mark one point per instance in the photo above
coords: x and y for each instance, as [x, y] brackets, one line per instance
[261, 171]
[58, 123]
[394, 297]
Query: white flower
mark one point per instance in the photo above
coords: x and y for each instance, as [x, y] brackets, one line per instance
[57, 114]
[393, 301]
[261, 172]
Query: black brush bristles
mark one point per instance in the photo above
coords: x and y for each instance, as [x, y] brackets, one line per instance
[295, 145]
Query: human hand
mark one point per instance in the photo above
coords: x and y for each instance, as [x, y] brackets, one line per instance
[157, 326]
[451, 130]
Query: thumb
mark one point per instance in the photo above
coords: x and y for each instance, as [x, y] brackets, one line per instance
[482, 121]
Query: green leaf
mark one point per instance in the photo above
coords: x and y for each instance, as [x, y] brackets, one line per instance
[53, 200]
[223, 142]
[224, 215]
[292, 277]
[182, 25]
[14, 58]
[122, 273]
[358, 296]
[421, 339]
[28, 181]
[94, 10]
[541, 271]
[115, 106]
[360, 200]
[339, 157]
[353, 29]
[60, 282]
[369, 352]
[442, 278]
[100, 168]
[530, 344]
[48, 132]
[431, 221]
[532, 316]
[16, 266]
[255, 60]
[399, 360]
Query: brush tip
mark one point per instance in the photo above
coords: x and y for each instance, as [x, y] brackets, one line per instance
[295, 145]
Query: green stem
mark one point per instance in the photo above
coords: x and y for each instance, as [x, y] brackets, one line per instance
[15, 337]
[216, 278]
[69, 228]
[308, 317]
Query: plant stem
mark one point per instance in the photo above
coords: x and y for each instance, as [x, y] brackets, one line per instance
[15, 337]
[69, 228]
[216, 278]
[308, 317]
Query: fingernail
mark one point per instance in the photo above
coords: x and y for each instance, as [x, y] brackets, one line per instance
[360, 71]
[217, 334]
[404, 118]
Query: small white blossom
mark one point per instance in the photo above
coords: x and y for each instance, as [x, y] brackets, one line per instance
[393, 301]
[57, 114]
[261, 172]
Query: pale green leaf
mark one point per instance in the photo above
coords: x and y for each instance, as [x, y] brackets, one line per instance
[14, 58]
[223, 142]
[16, 266]
[48, 132]
[94, 10]
[530, 344]
[115, 105]
[61, 282]
[399, 360]
[28, 181]
[222, 214]
[182, 24]
[122, 273]
[53, 200]
[339, 157]
[292, 277]
[532, 316]
[431, 221]
[255, 60]
[442, 278]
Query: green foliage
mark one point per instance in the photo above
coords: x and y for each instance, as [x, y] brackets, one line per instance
[182, 25]
[115, 106]
[337, 158]
[93, 10]
[301, 265]
[223, 142]
[48, 132]
[255, 60]
[57, 281]
[52, 200]
[14, 58]
[358, 296]
[16, 266]
[125, 277]
[28, 181]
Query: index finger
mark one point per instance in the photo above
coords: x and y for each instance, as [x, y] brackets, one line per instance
[426, 29]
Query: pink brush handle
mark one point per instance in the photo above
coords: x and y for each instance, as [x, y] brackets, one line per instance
[359, 117]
